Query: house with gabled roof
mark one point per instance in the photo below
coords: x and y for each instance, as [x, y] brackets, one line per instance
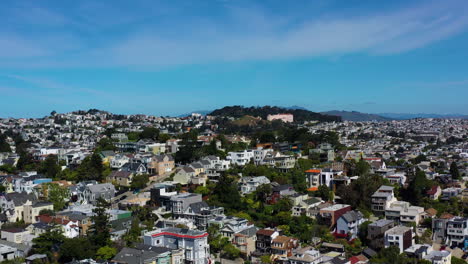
[348, 224]
[120, 178]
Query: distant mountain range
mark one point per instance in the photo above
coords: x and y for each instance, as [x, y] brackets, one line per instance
[401, 116]
[356, 116]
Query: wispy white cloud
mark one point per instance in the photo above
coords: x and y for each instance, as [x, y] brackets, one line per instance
[241, 34]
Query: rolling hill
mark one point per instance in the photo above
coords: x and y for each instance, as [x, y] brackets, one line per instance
[357, 116]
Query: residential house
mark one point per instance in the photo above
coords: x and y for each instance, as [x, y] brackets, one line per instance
[69, 228]
[118, 161]
[13, 204]
[434, 193]
[83, 220]
[120, 178]
[426, 252]
[107, 156]
[399, 236]
[143, 254]
[32, 209]
[15, 235]
[282, 246]
[305, 255]
[325, 152]
[161, 194]
[264, 240]
[330, 215]
[245, 240]
[439, 228]
[382, 198]
[240, 158]
[194, 243]
[250, 184]
[190, 206]
[457, 231]
[348, 224]
[448, 193]
[161, 164]
[7, 253]
[239, 231]
[136, 168]
[184, 175]
[404, 212]
[318, 177]
[281, 191]
[259, 154]
[92, 193]
[306, 206]
[376, 232]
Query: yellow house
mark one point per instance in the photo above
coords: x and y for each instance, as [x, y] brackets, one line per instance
[121, 178]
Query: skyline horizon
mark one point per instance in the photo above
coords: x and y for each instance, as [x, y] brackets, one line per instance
[202, 111]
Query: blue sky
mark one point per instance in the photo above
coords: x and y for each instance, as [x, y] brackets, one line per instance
[172, 57]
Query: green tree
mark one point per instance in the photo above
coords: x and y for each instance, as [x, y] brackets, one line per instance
[363, 232]
[76, 248]
[134, 233]
[266, 259]
[456, 260]
[57, 195]
[263, 192]
[230, 252]
[4, 146]
[454, 171]
[390, 255]
[106, 253]
[105, 144]
[203, 190]
[50, 167]
[323, 192]
[362, 167]
[99, 232]
[417, 188]
[149, 133]
[358, 194]
[47, 212]
[48, 242]
[139, 181]
[215, 240]
[91, 168]
[226, 194]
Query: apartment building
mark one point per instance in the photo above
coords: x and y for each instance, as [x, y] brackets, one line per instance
[399, 236]
[194, 243]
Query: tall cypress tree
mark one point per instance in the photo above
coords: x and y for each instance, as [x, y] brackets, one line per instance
[99, 232]
[454, 171]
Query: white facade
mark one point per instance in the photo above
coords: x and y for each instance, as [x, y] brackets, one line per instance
[194, 243]
[240, 158]
[250, 184]
[287, 118]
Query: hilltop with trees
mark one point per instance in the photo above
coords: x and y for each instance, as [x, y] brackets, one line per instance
[300, 115]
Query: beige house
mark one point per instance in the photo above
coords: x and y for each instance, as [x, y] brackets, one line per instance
[161, 164]
[184, 175]
[120, 178]
[31, 211]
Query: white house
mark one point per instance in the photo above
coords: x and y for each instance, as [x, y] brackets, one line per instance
[250, 184]
[240, 158]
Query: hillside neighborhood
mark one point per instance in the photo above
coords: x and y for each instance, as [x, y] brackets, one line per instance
[238, 185]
